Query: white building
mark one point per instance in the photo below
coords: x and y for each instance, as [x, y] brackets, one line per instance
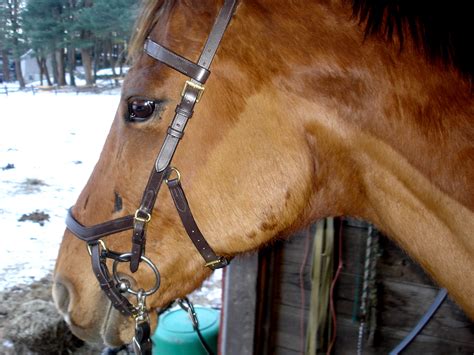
[30, 68]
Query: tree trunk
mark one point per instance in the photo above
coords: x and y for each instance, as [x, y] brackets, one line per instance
[46, 71]
[5, 66]
[71, 61]
[54, 64]
[97, 59]
[40, 67]
[87, 63]
[113, 62]
[86, 53]
[60, 61]
[19, 74]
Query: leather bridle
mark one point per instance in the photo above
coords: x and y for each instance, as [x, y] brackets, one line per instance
[114, 286]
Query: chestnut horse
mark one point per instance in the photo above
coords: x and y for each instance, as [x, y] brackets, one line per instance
[313, 109]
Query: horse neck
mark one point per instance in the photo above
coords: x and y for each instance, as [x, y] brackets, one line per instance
[407, 190]
[386, 134]
[358, 127]
[392, 142]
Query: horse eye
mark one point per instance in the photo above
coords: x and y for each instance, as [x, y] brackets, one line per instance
[140, 109]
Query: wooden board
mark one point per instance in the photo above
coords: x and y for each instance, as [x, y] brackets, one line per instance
[405, 292]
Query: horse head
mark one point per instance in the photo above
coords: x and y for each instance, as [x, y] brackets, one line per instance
[296, 123]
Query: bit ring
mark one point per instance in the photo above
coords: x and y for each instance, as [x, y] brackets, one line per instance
[126, 257]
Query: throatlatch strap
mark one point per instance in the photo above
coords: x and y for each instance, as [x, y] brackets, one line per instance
[182, 206]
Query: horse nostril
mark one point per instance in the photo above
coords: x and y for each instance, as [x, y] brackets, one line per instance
[61, 297]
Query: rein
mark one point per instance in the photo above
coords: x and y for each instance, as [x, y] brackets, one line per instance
[112, 284]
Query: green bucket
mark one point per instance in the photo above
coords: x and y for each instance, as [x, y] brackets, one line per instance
[175, 334]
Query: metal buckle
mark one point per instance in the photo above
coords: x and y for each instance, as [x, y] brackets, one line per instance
[145, 219]
[220, 260]
[187, 306]
[101, 243]
[196, 86]
[172, 170]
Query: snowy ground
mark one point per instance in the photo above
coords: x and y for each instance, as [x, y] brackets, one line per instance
[48, 147]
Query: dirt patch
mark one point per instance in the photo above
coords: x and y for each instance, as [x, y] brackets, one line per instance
[29, 323]
[31, 185]
[36, 217]
[8, 166]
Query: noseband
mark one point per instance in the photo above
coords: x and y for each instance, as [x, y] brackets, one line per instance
[113, 286]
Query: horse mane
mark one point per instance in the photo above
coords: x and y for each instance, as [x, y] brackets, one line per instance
[441, 29]
[150, 13]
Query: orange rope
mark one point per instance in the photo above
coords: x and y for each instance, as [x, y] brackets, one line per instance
[331, 297]
[303, 300]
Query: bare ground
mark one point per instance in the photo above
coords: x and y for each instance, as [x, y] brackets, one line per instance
[30, 325]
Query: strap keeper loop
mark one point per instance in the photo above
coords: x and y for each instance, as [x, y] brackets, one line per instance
[175, 133]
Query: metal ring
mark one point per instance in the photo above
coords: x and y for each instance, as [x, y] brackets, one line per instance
[170, 171]
[126, 257]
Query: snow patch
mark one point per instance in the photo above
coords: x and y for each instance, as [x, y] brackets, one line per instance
[44, 137]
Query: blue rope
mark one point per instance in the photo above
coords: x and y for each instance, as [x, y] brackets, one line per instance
[421, 324]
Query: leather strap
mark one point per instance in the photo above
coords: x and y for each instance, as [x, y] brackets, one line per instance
[182, 206]
[97, 231]
[183, 112]
[142, 344]
[175, 61]
[146, 207]
[217, 32]
[107, 283]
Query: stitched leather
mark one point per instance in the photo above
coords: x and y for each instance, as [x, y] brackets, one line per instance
[191, 227]
[217, 32]
[139, 228]
[176, 61]
[138, 244]
[98, 231]
[106, 282]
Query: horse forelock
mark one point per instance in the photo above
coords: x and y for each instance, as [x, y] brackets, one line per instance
[150, 13]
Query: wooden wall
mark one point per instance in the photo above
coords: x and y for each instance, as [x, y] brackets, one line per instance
[405, 292]
[282, 291]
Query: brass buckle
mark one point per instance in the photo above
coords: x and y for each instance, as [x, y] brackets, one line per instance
[145, 219]
[196, 86]
[212, 263]
[101, 243]
[172, 170]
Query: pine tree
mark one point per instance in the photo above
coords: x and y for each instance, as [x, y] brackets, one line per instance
[44, 28]
[99, 29]
[12, 10]
[108, 24]
[4, 48]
